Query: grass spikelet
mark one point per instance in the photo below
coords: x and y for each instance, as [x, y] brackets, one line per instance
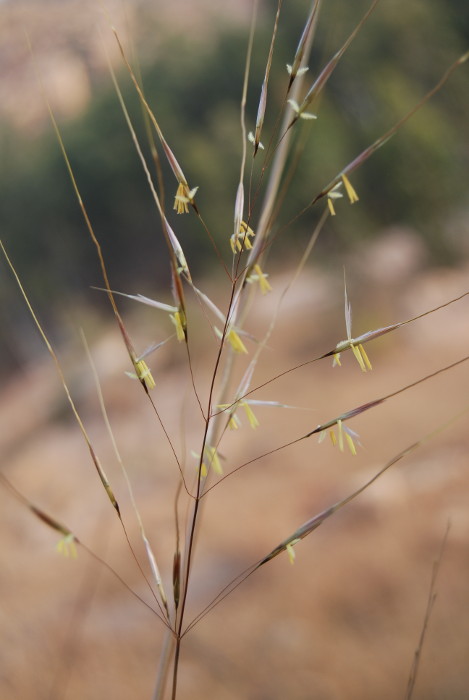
[302, 48]
[326, 73]
[263, 98]
[368, 152]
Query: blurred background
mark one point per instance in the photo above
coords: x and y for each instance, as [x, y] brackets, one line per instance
[345, 620]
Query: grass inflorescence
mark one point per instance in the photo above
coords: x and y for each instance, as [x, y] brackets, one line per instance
[221, 346]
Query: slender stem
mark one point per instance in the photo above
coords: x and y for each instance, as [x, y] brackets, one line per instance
[200, 480]
[428, 611]
[163, 667]
[177, 654]
[210, 426]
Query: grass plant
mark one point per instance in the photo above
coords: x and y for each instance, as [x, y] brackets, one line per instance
[199, 326]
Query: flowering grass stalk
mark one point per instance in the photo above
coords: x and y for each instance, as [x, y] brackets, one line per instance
[227, 401]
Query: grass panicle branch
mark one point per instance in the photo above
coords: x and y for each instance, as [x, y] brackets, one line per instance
[69, 541]
[371, 150]
[313, 523]
[321, 81]
[310, 525]
[338, 421]
[428, 611]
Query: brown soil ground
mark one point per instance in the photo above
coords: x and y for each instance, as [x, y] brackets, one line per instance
[345, 620]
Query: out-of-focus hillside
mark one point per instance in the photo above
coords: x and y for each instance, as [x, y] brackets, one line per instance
[70, 49]
[191, 56]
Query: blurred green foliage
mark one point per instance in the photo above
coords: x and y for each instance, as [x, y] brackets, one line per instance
[419, 178]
